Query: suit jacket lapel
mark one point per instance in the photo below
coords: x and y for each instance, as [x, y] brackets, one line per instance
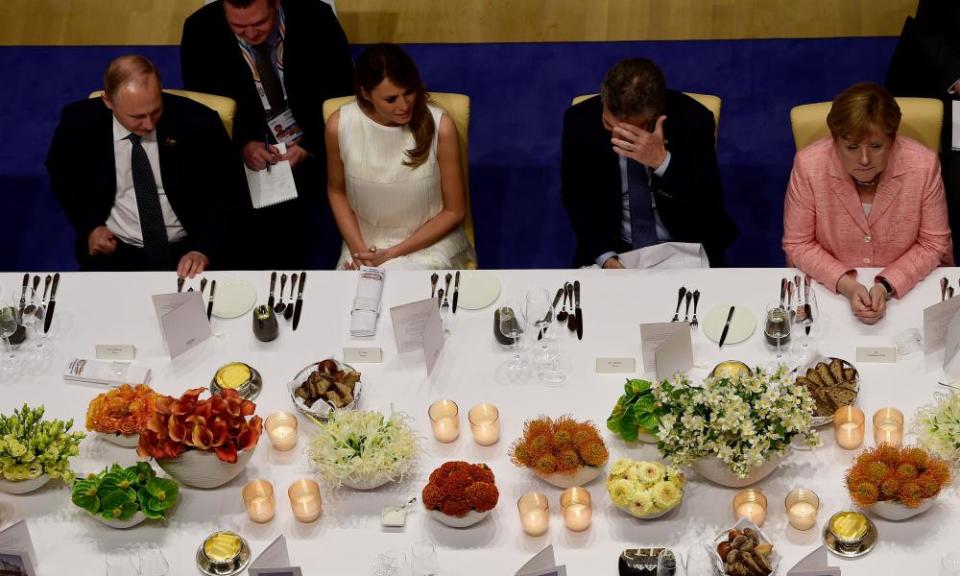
[167, 152]
[846, 192]
[888, 187]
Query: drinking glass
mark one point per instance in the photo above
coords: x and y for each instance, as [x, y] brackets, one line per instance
[804, 348]
[700, 562]
[539, 316]
[153, 562]
[666, 563]
[390, 563]
[511, 326]
[950, 564]
[425, 560]
[777, 328]
[9, 324]
[120, 563]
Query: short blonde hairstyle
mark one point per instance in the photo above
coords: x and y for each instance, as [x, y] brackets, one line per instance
[130, 68]
[861, 108]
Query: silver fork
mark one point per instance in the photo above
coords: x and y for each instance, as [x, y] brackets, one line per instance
[696, 300]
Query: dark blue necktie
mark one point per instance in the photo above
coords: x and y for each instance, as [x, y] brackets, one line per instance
[155, 244]
[643, 228]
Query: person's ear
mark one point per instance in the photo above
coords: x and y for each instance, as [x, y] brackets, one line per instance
[106, 100]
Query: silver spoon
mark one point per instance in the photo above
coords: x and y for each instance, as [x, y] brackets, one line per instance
[280, 305]
[288, 311]
[32, 307]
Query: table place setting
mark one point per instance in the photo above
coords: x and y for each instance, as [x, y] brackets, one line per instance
[25, 324]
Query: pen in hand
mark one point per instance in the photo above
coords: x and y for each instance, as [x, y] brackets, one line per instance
[266, 146]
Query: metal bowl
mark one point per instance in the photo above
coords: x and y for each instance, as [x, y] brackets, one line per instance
[248, 390]
[321, 408]
[802, 371]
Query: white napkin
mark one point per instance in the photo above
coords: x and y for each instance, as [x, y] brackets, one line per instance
[366, 303]
[667, 256]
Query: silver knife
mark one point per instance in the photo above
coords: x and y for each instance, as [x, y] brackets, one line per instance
[23, 293]
[726, 327]
[52, 305]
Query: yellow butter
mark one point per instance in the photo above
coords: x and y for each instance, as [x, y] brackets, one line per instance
[233, 376]
[849, 525]
[222, 546]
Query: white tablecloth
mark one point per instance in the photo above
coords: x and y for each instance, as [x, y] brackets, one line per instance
[117, 308]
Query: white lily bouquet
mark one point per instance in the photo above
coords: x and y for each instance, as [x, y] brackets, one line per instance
[743, 420]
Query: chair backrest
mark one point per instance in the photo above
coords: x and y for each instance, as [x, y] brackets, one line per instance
[708, 101]
[921, 119]
[457, 107]
[222, 105]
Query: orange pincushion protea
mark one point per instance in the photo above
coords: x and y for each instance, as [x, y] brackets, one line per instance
[558, 446]
[218, 423]
[457, 487]
[123, 410]
[905, 475]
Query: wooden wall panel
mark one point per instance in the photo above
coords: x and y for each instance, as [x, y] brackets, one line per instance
[149, 22]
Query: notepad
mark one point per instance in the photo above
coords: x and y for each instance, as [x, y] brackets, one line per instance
[273, 186]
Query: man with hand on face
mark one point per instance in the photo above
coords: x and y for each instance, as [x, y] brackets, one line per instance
[279, 60]
[141, 174]
[639, 167]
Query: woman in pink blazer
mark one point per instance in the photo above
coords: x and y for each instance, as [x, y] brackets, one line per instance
[866, 198]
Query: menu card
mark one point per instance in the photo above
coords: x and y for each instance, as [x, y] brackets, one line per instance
[543, 564]
[814, 564]
[183, 320]
[274, 561]
[936, 318]
[418, 326]
[17, 555]
[667, 348]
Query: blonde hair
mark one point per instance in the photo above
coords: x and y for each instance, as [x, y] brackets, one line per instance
[861, 108]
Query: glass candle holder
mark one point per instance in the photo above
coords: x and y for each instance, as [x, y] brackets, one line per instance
[888, 426]
[849, 427]
[802, 506]
[445, 420]
[534, 509]
[750, 504]
[305, 501]
[281, 428]
[258, 499]
[484, 424]
[577, 509]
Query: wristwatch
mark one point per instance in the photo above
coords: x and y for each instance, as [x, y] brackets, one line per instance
[887, 286]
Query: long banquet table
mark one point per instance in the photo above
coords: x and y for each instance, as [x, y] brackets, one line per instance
[117, 308]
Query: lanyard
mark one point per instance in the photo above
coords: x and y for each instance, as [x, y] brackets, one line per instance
[248, 55]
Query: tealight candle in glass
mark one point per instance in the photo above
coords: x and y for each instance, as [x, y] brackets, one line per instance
[577, 509]
[802, 506]
[485, 424]
[258, 499]
[445, 419]
[888, 426]
[849, 427]
[281, 428]
[750, 504]
[534, 509]
[304, 497]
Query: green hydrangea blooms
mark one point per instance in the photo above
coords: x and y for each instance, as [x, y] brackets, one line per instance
[31, 446]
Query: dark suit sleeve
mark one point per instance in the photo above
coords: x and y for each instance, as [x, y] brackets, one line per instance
[693, 176]
[66, 181]
[938, 40]
[576, 191]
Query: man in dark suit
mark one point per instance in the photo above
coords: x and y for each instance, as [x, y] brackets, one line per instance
[926, 64]
[142, 175]
[639, 167]
[279, 60]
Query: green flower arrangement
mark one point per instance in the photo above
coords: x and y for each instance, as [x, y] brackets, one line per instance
[644, 489]
[744, 420]
[360, 447]
[636, 411]
[938, 426]
[118, 493]
[31, 446]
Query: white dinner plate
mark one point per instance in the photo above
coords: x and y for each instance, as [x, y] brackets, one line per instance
[478, 289]
[233, 298]
[741, 327]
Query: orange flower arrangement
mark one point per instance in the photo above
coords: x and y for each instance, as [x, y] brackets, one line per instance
[563, 445]
[218, 423]
[123, 410]
[458, 487]
[907, 475]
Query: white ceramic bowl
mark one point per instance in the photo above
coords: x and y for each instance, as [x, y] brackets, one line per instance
[367, 484]
[652, 516]
[23, 486]
[321, 408]
[121, 440]
[201, 469]
[580, 477]
[714, 470]
[137, 518]
[465, 521]
[897, 512]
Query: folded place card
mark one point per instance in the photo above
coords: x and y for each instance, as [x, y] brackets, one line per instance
[616, 365]
[17, 555]
[882, 354]
[951, 360]
[433, 339]
[116, 352]
[666, 347]
[363, 355]
[936, 318]
[183, 320]
[417, 326]
[274, 561]
[543, 564]
[814, 564]
[106, 373]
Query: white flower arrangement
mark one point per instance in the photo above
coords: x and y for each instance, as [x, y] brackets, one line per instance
[644, 489]
[743, 420]
[361, 446]
[938, 426]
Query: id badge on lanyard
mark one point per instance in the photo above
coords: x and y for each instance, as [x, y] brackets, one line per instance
[284, 127]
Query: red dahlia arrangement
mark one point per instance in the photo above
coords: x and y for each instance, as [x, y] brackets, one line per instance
[221, 423]
[456, 488]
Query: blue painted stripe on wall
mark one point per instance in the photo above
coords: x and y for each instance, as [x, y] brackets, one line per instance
[519, 92]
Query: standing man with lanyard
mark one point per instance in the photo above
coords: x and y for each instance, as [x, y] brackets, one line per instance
[279, 60]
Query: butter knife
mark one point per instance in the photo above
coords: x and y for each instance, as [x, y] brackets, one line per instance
[213, 291]
[726, 327]
[456, 291]
[576, 295]
[23, 293]
[273, 284]
[299, 308]
[53, 303]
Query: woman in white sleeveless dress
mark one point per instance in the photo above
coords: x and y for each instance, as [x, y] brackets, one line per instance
[394, 177]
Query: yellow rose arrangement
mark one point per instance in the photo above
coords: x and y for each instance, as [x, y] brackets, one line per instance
[645, 489]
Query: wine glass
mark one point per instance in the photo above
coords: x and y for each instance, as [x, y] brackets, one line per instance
[950, 564]
[511, 326]
[539, 315]
[776, 329]
[9, 325]
[120, 563]
[390, 563]
[424, 560]
[804, 348]
[666, 563]
[153, 562]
